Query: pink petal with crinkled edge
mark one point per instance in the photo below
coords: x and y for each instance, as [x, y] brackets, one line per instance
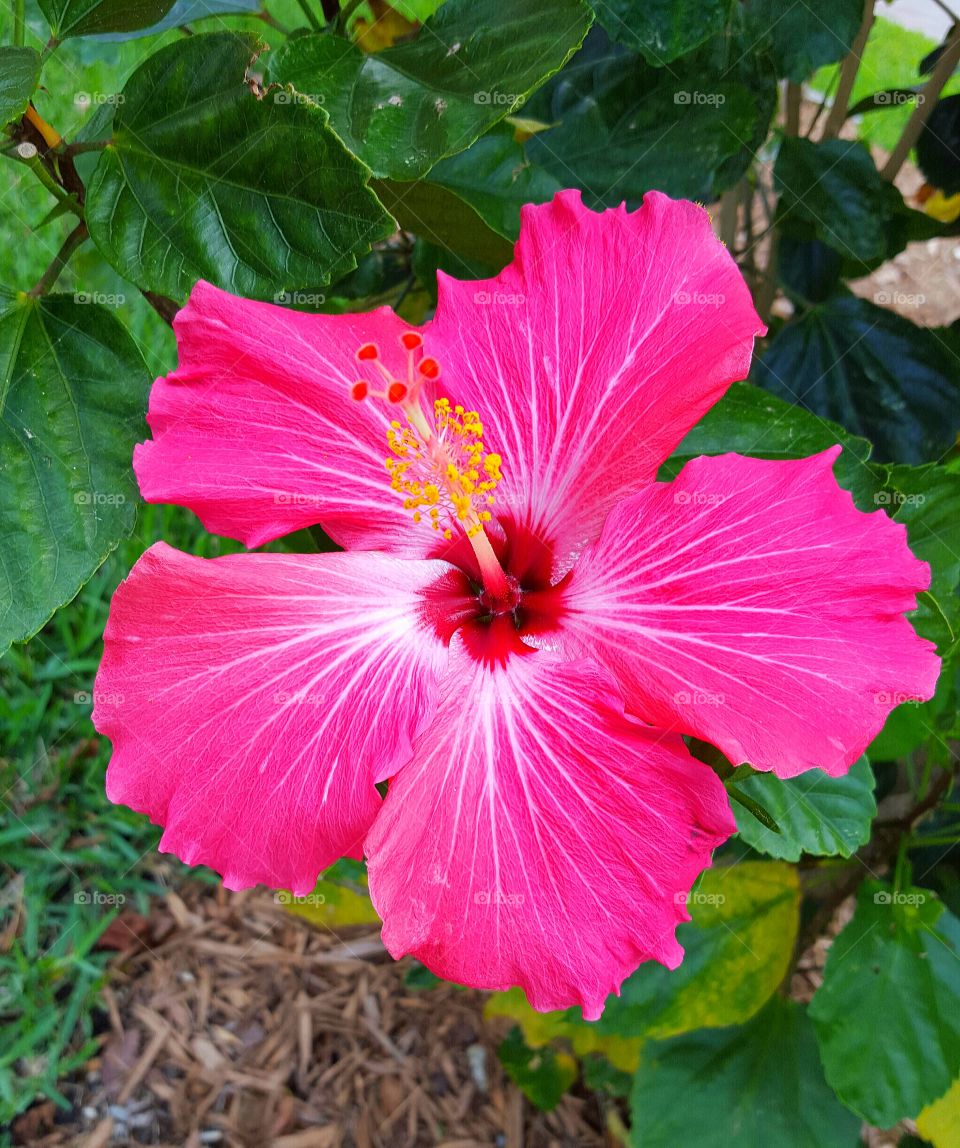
[253, 700]
[593, 353]
[256, 431]
[539, 837]
[751, 604]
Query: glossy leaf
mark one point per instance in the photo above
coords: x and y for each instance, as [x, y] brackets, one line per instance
[94, 17]
[662, 30]
[75, 395]
[189, 12]
[402, 109]
[804, 37]
[496, 179]
[816, 814]
[203, 180]
[756, 1085]
[870, 369]
[888, 1012]
[624, 127]
[750, 421]
[19, 73]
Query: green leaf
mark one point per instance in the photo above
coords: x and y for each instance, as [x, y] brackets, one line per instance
[624, 127]
[95, 17]
[541, 1074]
[662, 30]
[832, 191]
[444, 219]
[888, 1012]
[189, 12]
[19, 73]
[496, 179]
[756, 1085]
[76, 396]
[817, 814]
[738, 947]
[870, 369]
[750, 421]
[203, 180]
[402, 109]
[804, 37]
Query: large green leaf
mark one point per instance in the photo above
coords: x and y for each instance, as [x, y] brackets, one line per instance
[753, 1086]
[402, 109]
[76, 391]
[94, 17]
[19, 72]
[832, 191]
[189, 12]
[804, 37]
[624, 127]
[888, 1012]
[496, 179]
[870, 369]
[662, 29]
[204, 180]
[750, 421]
[815, 813]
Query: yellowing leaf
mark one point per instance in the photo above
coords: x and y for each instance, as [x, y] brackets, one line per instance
[333, 905]
[939, 1122]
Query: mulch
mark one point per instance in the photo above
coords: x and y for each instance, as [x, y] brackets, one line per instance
[230, 1023]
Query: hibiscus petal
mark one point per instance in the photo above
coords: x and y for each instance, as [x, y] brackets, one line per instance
[593, 353]
[749, 603]
[256, 431]
[253, 700]
[539, 837]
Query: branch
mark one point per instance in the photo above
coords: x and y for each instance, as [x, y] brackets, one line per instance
[925, 104]
[848, 75]
[52, 273]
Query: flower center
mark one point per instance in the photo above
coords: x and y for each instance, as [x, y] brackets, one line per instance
[438, 461]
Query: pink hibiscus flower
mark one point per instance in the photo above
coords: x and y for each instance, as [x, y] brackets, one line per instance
[524, 622]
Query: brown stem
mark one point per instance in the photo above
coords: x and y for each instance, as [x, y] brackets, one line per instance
[848, 75]
[164, 307]
[52, 273]
[792, 126]
[925, 104]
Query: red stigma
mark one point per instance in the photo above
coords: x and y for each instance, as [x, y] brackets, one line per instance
[368, 351]
[397, 392]
[359, 391]
[429, 368]
[411, 340]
